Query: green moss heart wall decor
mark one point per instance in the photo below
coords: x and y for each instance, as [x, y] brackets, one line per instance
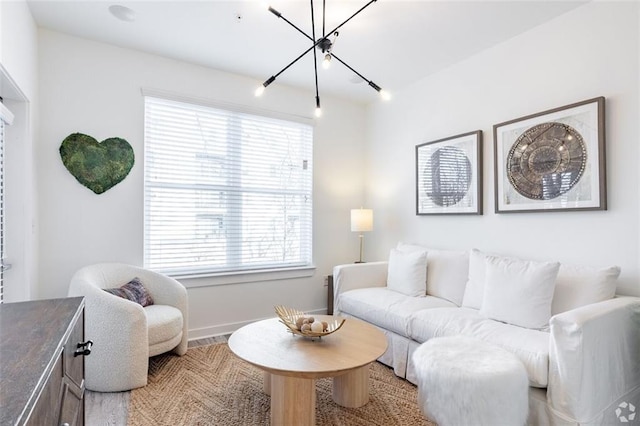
[97, 165]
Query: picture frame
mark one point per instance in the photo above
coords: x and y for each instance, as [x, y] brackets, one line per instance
[552, 160]
[449, 175]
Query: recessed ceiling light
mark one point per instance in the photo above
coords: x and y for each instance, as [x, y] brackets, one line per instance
[122, 13]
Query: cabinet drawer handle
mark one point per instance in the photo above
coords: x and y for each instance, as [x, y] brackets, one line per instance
[83, 348]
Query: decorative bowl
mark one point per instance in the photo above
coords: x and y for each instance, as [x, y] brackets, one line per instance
[289, 317]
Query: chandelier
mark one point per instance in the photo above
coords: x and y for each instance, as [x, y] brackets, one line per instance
[325, 44]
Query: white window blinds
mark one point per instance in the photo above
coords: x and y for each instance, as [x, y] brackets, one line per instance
[225, 190]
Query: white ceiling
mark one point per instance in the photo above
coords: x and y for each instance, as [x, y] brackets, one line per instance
[392, 42]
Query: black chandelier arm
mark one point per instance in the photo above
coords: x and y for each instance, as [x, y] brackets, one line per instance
[370, 82]
[295, 60]
[279, 15]
[324, 8]
[315, 57]
[298, 58]
[348, 66]
[352, 16]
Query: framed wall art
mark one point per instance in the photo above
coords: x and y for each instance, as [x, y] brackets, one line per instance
[552, 161]
[449, 175]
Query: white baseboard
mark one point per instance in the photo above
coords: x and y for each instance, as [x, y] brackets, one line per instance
[222, 329]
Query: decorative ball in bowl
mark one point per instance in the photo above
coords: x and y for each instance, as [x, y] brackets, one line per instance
[306, 325]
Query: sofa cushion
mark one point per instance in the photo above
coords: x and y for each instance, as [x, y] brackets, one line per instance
[530, 346]
[447, 272]
[163, 322]
[519, 292]
[474, 290]
[582, 285]
[386, 308]
[407, 272]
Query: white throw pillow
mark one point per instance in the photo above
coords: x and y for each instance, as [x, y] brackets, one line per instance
[582, 285]
[474, 291]
[407, 272]
[447, 271]
[519, 292]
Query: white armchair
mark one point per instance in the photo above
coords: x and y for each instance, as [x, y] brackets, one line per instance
[124, 333]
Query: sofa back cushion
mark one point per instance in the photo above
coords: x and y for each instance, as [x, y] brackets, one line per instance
[582, 285]
[447, 272]
[474, 290]
[407, 272]
[519, 292]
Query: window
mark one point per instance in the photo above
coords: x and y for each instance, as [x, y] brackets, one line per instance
[5, 118]
[225, 190]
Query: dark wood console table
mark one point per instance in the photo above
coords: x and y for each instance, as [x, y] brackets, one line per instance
[42, 362]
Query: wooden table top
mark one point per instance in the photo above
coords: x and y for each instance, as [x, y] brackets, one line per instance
[270, 346]
[32, 335]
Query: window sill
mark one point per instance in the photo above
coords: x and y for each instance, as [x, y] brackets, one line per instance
[243, 277]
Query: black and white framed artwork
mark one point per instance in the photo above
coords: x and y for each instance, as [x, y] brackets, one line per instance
[449, 175]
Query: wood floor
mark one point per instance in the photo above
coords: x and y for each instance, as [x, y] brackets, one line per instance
[112, 408]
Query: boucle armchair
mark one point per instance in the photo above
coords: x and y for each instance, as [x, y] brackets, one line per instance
[124, 333]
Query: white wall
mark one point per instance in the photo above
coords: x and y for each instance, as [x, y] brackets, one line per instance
[94, 88]
[591, 51]
[18, 87]
[18, 45]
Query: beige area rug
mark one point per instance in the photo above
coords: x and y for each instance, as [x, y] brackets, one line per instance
[211, 386]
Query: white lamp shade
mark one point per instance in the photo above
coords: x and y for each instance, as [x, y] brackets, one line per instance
[361, 220]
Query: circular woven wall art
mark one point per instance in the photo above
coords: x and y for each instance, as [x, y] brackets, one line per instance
[546, 161]
[447, 176]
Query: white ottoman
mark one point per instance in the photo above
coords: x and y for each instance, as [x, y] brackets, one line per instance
[466, 381]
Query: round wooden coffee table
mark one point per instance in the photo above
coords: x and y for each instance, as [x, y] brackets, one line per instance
[291, 365]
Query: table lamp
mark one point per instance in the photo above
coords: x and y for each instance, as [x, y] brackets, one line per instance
[361, 221]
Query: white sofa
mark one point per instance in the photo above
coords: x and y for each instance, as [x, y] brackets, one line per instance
[583, 363]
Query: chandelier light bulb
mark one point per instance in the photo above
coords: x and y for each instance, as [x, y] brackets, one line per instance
[385, 95]
[327, 61]
[259, 91]
[318, 112]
